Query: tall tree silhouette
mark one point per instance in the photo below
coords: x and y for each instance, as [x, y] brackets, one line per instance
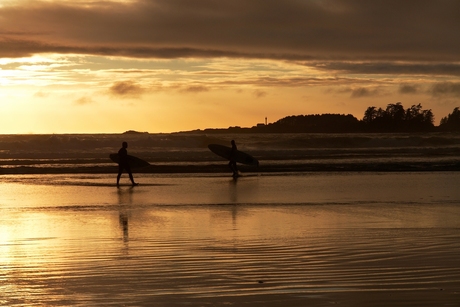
[451, 122]
[396, 119]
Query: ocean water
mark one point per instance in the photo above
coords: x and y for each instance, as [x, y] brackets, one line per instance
[205, 239]
[327, 219]
[188, 152]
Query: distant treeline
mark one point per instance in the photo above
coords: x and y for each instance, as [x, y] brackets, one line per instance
[395, 118]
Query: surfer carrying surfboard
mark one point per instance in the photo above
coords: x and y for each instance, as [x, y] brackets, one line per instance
[232, 158]
[233, 155]
[123, 164]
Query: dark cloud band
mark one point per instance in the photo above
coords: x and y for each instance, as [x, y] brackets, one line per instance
[289, 29]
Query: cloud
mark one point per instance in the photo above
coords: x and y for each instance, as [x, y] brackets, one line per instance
[446, 89]
[260, 93]
[126, 89]
[408, 89]
[364, 92]
[83, 101]
[289, 29]
[282, 81]
[385, 68]
[195, 89]
[41, 94]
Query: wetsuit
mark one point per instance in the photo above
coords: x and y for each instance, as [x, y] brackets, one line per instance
[124, 165]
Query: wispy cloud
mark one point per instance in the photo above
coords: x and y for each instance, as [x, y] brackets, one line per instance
[41, 94]
[259, 93]
[195, 89]
[84, 101]
[409, 89]
[388, 68]
[126, 89]
[446, 89]
[364, 92]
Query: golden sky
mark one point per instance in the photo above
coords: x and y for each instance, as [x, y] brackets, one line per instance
[173, 65]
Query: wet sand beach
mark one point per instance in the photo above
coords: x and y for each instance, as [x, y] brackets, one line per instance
[272, 239]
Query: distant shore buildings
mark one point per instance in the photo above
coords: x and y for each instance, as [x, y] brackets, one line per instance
[262, 124]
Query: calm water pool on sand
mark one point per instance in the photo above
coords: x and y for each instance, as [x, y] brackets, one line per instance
[309, 239]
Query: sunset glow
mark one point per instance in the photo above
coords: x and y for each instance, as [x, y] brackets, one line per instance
[164, 66]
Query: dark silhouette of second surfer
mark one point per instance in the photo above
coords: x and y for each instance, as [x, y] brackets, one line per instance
[123, 164]
[232, 163]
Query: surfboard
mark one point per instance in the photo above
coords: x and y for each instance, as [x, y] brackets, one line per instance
[240, 157]
[133, 161]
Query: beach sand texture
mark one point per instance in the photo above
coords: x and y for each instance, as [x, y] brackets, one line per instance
[297, 239]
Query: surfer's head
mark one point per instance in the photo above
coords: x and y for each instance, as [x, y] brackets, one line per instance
[124, 144]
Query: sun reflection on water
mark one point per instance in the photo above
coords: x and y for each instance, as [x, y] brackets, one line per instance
[194, 240]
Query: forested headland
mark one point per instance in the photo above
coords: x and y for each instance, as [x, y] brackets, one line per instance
[394, 118]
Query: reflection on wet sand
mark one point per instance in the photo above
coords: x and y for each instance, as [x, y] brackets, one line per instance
[313, 240]
[125, 201]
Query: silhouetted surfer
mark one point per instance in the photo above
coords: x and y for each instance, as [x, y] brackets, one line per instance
[123, 164]
[232, 163]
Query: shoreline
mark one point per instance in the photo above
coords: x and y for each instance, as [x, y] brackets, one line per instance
[188, 153]
[447, 166]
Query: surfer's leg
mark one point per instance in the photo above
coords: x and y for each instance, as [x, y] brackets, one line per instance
[128, 169]
[132, 179]
[120, 171]
[230, 165]
[233, 167]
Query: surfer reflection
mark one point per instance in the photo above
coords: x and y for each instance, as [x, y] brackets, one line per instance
[123, 164]
[232, 163]
[123, 220]
[124, 200]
